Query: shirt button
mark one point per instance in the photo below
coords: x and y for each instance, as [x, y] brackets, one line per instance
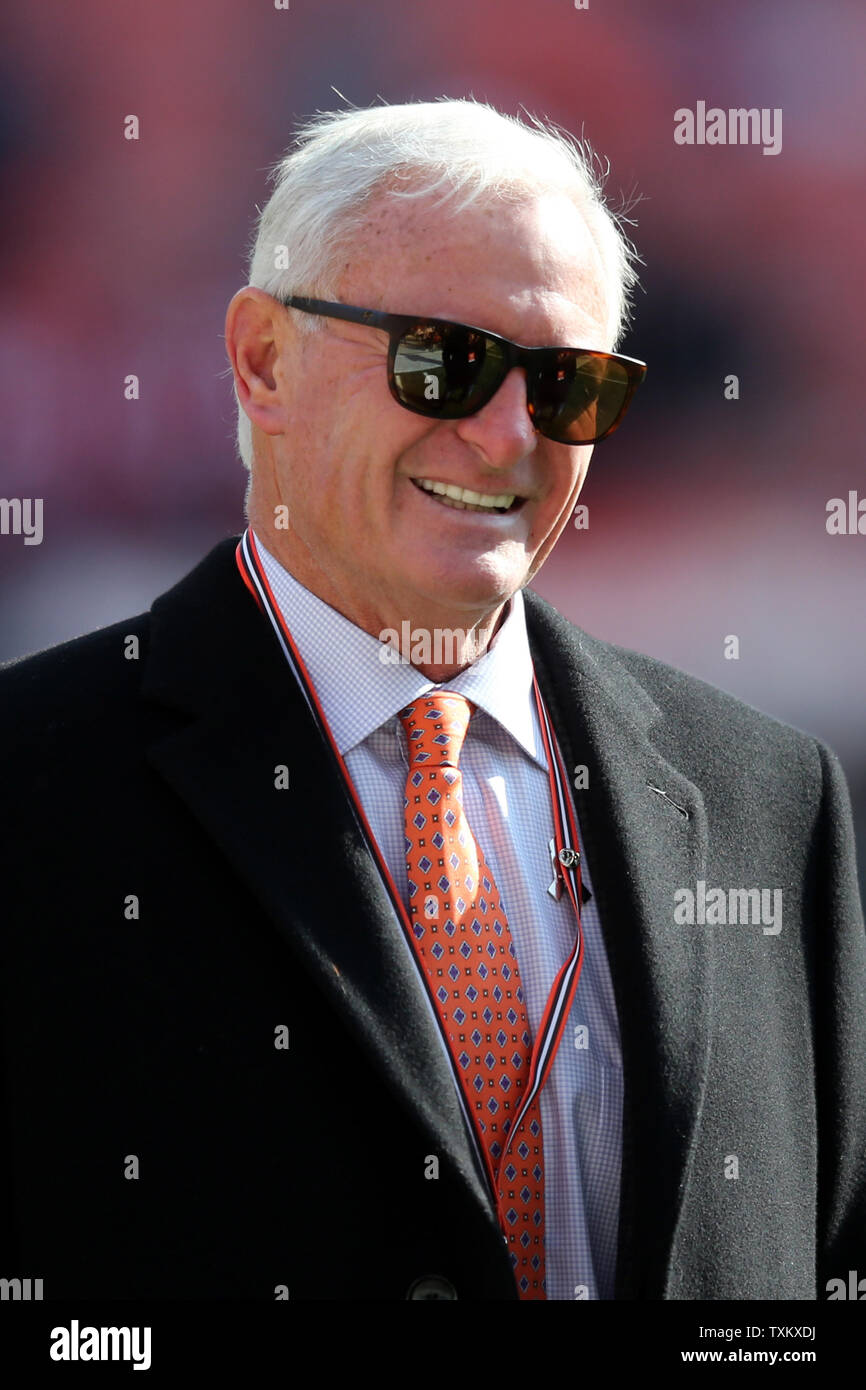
[432, 1286]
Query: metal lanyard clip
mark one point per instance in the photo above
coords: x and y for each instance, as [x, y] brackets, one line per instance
[567, 858]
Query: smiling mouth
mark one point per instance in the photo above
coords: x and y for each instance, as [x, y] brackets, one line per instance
[464, 499]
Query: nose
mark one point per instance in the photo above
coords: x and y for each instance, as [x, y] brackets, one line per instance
[502, 430]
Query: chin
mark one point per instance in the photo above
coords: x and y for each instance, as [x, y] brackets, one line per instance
[474, 590]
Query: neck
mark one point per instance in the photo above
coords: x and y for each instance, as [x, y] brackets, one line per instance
[441, 652]
[437, 641]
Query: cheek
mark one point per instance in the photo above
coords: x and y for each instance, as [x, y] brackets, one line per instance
[554, 512]
[577, 476]
[565, 490]
[341, 495]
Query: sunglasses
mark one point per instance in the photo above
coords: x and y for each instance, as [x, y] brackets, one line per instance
[448, 371]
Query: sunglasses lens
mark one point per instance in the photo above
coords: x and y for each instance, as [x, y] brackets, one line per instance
[446, 371]
[578, 397]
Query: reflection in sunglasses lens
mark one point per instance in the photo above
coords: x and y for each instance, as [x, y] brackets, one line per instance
[451, 371]
[447, 371]
[578, 397]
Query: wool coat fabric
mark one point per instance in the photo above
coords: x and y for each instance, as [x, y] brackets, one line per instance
[220, 1077]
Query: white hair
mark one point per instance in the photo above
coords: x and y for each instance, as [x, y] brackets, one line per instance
[341, 159]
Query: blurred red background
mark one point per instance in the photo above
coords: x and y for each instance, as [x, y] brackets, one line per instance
[707, 516]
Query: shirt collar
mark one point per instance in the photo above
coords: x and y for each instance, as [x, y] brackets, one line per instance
[360, 687]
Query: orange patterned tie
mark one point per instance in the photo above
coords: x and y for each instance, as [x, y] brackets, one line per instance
[464, 946]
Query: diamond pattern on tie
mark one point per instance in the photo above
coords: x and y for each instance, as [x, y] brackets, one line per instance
[469, 963]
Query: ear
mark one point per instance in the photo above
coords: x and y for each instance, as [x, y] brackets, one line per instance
[256, 334]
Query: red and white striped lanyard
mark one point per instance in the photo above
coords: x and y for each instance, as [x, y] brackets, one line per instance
[565, 846]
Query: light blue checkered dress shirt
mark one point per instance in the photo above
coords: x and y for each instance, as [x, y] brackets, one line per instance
[507, 802]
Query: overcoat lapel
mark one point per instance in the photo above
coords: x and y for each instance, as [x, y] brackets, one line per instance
[640, 849]
[214, 656]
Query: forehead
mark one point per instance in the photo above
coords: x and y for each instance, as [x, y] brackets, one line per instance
[529, 270]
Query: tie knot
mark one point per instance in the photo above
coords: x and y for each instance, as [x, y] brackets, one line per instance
[435, 728]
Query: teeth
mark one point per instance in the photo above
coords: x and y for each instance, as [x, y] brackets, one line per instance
[464, 499]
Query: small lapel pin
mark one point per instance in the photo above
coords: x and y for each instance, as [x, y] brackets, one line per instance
[564, 858]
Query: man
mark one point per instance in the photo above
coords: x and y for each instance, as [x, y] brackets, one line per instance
[342, 961]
